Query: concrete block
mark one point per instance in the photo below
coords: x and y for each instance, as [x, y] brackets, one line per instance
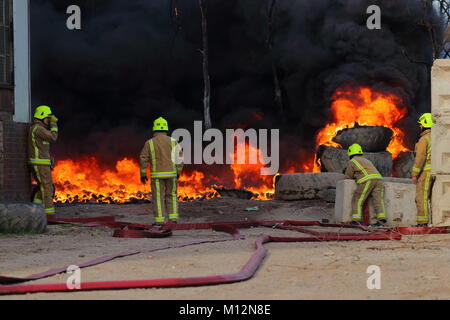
[343, 206]
[399, 200]
[441, 201]
[440, 138]
[328, 195]
[398, 180]
[304, 186]
[440, 84]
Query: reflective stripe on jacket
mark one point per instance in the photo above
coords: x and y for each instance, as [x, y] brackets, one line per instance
[39, 140]
[423, 154]
[362, 170]
[164, 155]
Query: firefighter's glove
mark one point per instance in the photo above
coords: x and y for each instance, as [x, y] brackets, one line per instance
[54, 119]
[144, 180]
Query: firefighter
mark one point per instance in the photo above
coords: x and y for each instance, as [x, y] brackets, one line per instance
[165, 157]
[43, 132]
[370, 186]
[421, 172]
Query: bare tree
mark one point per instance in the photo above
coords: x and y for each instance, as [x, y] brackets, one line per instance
[175, 17]
[205, 51]
[440, 48]
[427, 8]
[276, 81]
[444, 7]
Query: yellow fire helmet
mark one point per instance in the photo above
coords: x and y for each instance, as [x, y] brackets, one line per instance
[354, 150]
[426, 121]
[161, 124]
[43, 112]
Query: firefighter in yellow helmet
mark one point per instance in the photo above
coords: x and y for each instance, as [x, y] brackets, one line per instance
[421, 171]
[370, 186]
[43, 132]
[165, 157]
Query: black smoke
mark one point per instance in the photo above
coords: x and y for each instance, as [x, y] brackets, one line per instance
[136, 60]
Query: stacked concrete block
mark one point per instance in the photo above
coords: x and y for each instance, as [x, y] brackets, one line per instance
[399, 200]
[441, 143]
[440, 158]
[440, 86]
[441, 201]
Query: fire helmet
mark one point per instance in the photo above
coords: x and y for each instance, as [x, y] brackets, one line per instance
[426, 120]
[160, 124]
[354, 150]
[43, 112]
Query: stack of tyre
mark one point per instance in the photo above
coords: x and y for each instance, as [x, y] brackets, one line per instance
[374, 141]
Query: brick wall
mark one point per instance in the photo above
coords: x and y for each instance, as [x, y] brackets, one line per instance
[15, 180]
[6, 101]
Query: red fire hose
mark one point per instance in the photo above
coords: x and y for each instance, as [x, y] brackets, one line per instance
[131, 230]
[421, 231]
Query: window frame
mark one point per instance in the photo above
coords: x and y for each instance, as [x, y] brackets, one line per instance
[6, 47]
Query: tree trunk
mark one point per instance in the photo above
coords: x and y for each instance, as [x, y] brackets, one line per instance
[277, 88]
[427, 8]
[207, 90]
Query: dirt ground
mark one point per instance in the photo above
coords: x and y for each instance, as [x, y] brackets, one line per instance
[413, 268]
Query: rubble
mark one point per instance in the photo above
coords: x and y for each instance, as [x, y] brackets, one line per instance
[235, 193]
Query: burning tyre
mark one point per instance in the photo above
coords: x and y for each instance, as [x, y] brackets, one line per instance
[335, 160]
[22, 217]
[371, 139]
[403, 165]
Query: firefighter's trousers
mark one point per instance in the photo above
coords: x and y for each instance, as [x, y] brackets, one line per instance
[45, 192]
[165, 199]
[372, 190]
[423, 192]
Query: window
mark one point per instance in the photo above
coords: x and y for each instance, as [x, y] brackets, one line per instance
[5, 42]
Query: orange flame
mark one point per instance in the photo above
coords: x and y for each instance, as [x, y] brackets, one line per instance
[248, 176]
[85, 180]
[365, 107]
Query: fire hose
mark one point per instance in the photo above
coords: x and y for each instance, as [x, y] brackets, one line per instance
[11, 285]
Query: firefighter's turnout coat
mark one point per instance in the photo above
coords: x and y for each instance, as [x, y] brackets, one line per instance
[39, 139]
[165, 157]
[422, 171]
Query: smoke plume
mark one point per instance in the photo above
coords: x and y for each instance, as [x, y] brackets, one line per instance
[134, 61]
